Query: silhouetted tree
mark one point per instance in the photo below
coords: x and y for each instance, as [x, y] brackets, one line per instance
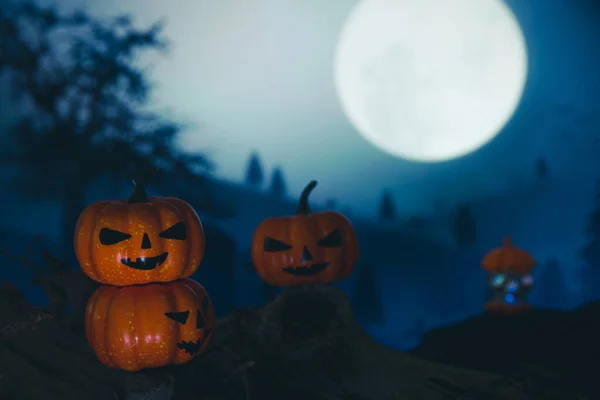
[541, 168]
[254, 171]
[550, 289]
[387, 208]
[367, 297]
[465, 231]
[66, 289]
[590, 253]
[85, 93]
[278, 186]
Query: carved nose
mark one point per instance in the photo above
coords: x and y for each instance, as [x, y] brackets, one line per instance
[146, 242]
[306, 256]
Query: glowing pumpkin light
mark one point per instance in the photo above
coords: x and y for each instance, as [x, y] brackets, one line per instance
[509, 278]
[308, 247]
[147, 326]
[139, 240]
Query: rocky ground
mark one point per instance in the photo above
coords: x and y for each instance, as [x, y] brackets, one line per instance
[304, 345]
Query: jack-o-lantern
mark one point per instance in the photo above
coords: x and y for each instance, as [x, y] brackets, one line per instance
[147, 326]
[509, 278]
[139, 240]
[308, 247]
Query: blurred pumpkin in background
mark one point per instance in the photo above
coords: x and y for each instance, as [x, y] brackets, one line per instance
[319, 247]
[139, 240]
[147, 326]
[509, 277]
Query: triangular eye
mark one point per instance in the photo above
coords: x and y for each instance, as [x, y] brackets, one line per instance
[176, 232]
[180, 316]
[110, 236]
[199, 320]
[334, 239]
[274, 245]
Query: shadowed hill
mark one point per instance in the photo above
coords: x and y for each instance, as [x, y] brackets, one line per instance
[563, 342]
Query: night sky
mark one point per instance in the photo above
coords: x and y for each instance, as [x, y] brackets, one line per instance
[257, 75]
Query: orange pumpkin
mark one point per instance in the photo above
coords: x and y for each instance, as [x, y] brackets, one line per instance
[508, 258]
[308, 247]
[139, 240]
[509, 278]
[146, 326]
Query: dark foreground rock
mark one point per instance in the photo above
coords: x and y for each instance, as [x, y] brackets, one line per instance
[304, 345]
[561, 349]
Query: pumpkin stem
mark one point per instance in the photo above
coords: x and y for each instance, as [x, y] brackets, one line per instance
[139, 194]
[303, 207]
[507, 241]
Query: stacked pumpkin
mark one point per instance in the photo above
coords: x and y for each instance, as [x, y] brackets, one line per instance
[148, 313]
[309, 247]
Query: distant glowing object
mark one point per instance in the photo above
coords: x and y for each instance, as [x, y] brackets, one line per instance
[509, 298]
[498, 280]
[430, 80]
[527, 280]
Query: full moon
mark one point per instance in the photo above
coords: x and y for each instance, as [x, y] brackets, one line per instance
[430, 80]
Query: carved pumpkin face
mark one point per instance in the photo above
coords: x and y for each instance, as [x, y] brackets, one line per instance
[147, 326]
[509, 278]
[140, 240]
[306, 248]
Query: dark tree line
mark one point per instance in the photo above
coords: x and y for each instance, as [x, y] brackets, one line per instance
[255, 176]
[254, 171]
[387, 208]
[85, 113]
[465, 230]
[278, 186]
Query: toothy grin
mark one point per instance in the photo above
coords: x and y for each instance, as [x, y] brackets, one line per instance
[145, 263]
[306, 270]
[193, 347]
